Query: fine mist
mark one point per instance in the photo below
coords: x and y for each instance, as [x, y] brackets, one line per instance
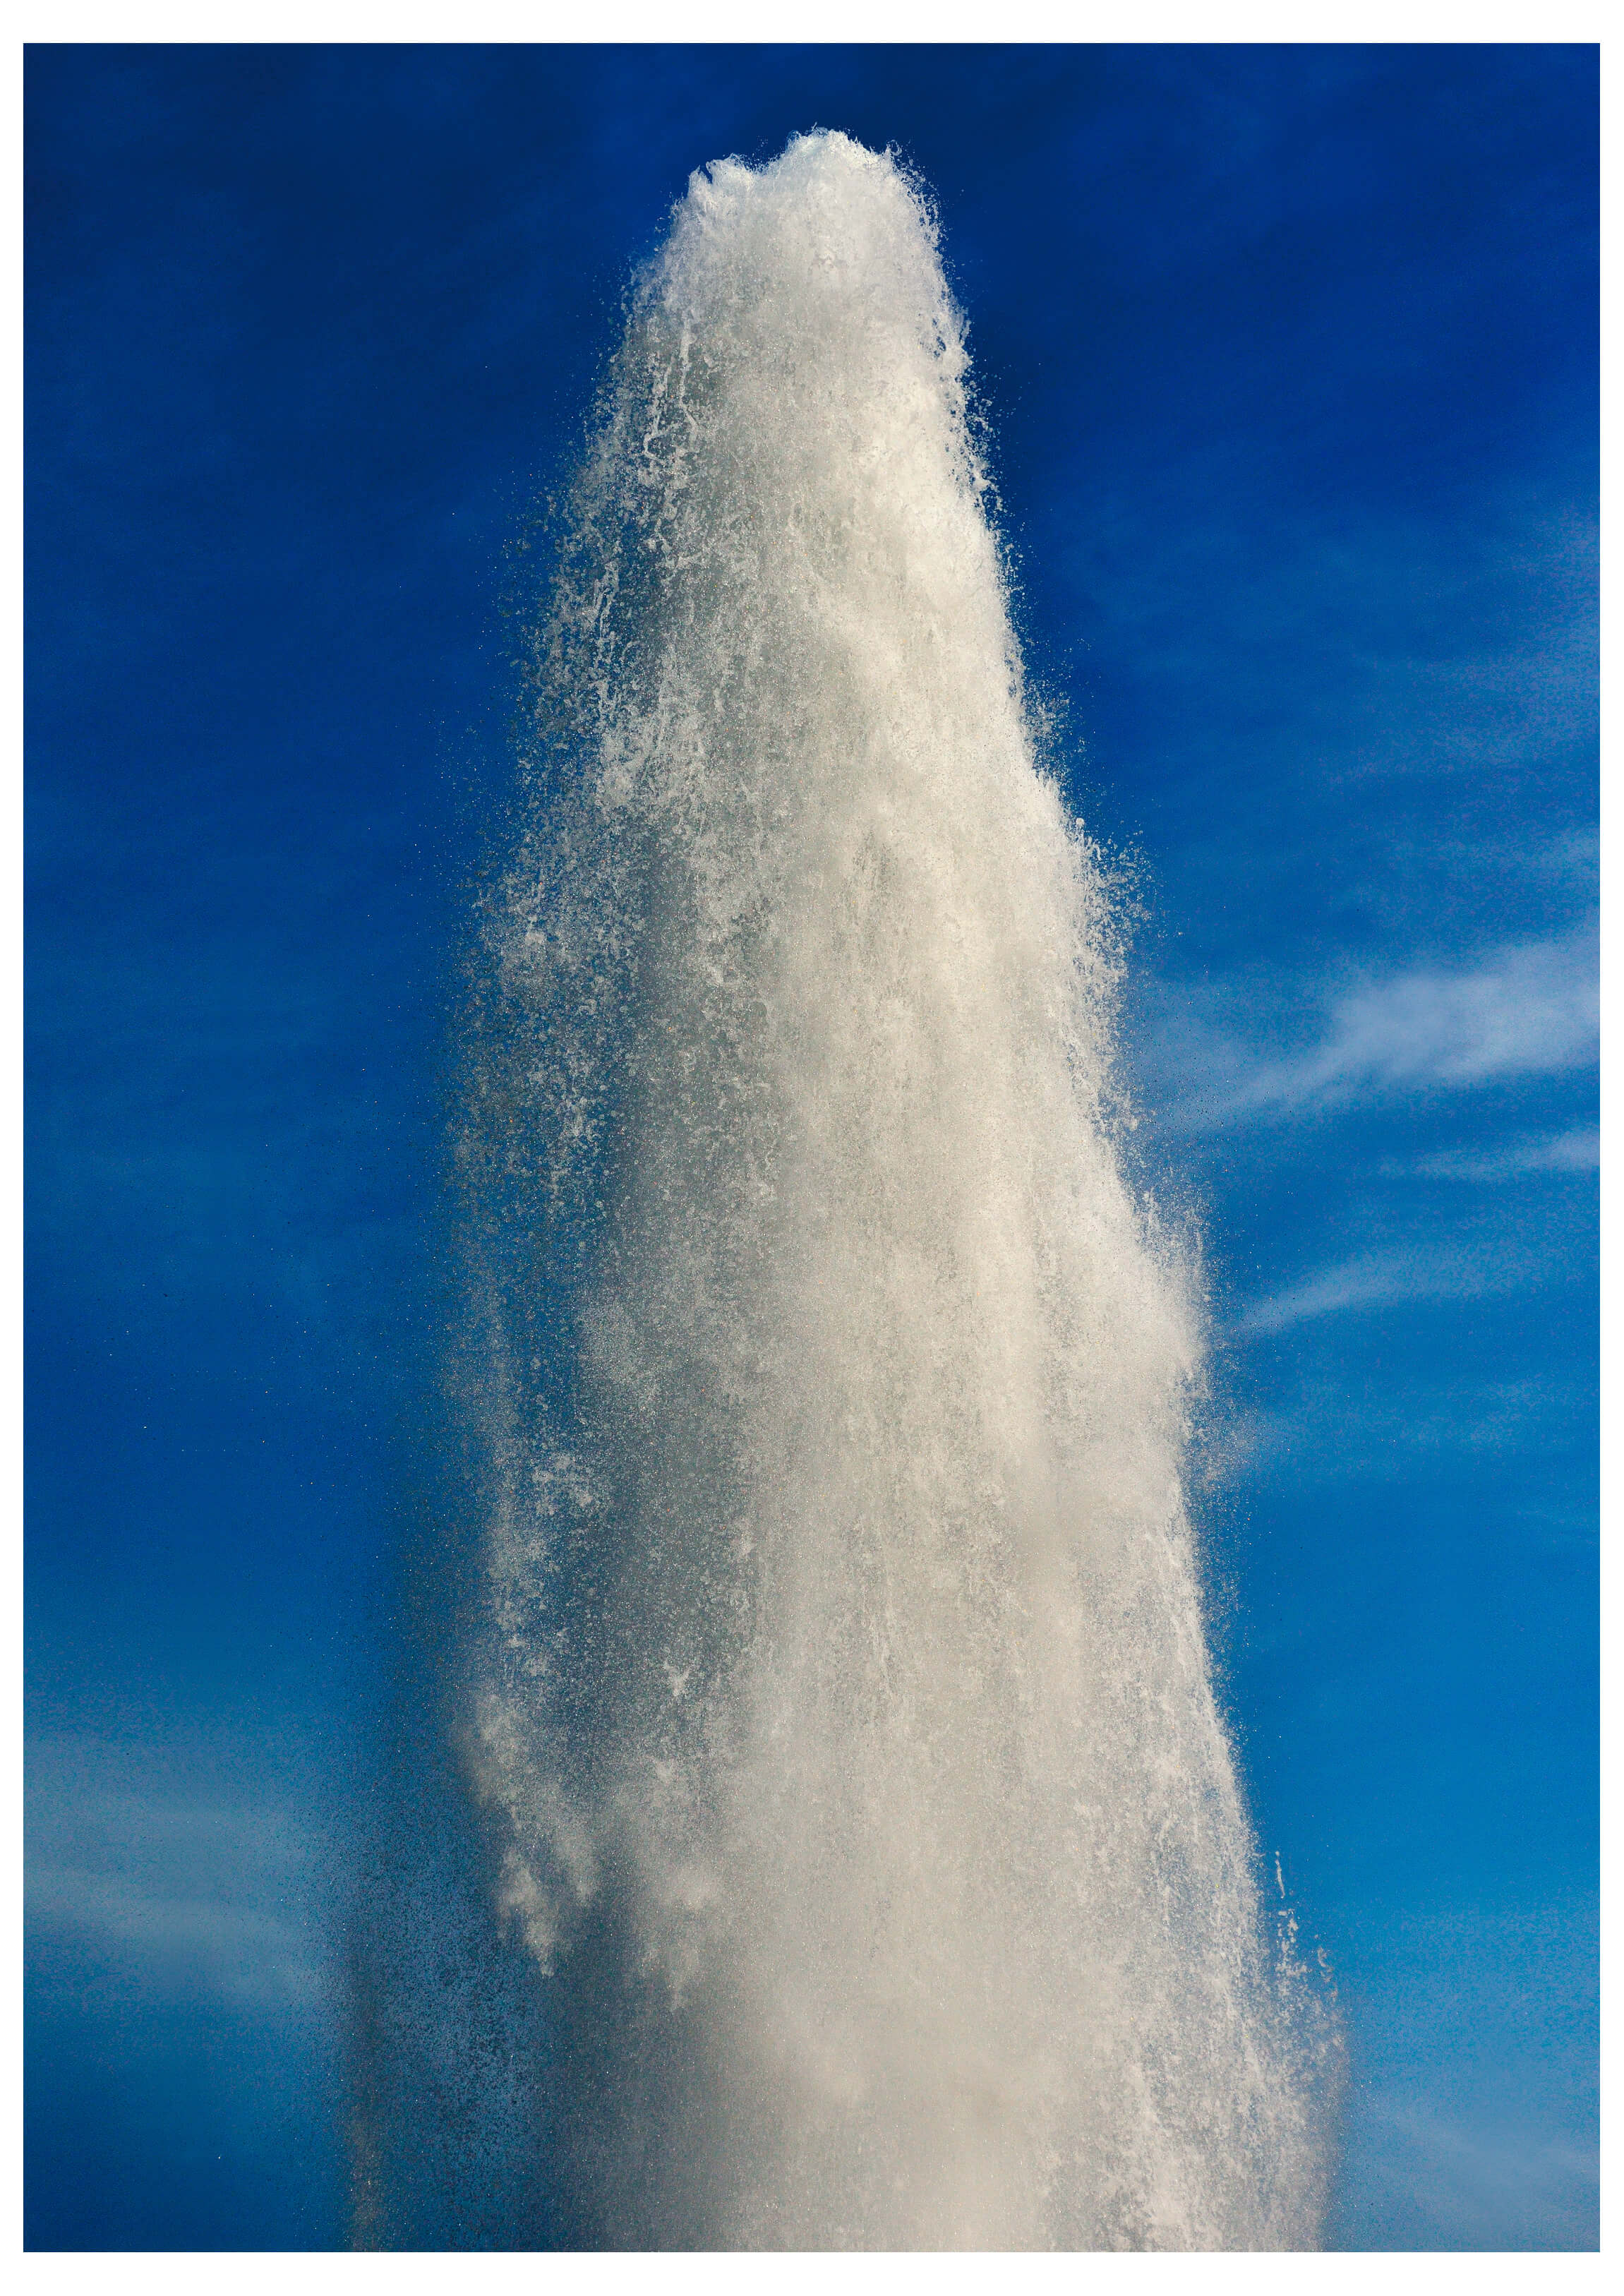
[835, 1695]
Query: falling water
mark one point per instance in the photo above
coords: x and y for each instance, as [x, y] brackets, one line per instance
[842, 1693]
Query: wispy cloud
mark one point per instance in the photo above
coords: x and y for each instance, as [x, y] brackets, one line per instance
[1325, 1432]
[1576, 1150]
[178, 1946]
[1464, 2182]
[1531, 1008]
[138, 1881]
[1476, 2123]
[1379, 1280]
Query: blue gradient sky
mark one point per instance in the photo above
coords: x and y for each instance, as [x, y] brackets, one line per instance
[1290, 358]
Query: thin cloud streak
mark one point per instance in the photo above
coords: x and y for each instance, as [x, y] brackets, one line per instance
[1576, 1150]
[179, 1947]
[1532, 1009]
[1323, 1434]
[1378, 1280]
[1468, 2184]
[138, 1881]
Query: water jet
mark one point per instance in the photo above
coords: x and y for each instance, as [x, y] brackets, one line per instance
[838, 1690]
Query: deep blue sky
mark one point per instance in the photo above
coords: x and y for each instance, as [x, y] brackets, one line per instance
[1291, 360]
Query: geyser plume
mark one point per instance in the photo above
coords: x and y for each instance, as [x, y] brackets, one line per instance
[841, 1696]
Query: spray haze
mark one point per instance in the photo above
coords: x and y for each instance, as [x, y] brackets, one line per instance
[837, 1692]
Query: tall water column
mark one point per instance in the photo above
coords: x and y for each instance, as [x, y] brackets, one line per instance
[838, 1688]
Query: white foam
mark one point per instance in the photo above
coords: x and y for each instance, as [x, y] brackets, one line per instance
[844, 1697]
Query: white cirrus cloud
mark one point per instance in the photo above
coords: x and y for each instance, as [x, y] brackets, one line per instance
[1527, 2182]
[1579, 1150]
[145, 1878]
[1529, 1008]
[177, 1945]
[1381, 1279]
